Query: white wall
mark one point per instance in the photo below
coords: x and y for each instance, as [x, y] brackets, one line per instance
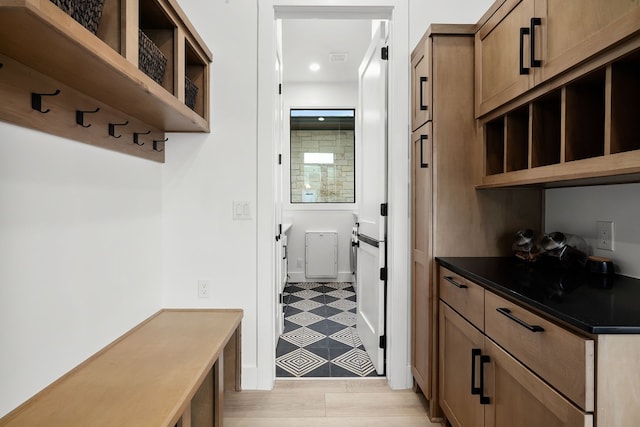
[423, 13]
[325, 217]
[576, 210]
[205, 173]
[80, 258]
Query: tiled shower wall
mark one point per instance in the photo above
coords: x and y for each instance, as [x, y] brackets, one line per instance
[332, 183]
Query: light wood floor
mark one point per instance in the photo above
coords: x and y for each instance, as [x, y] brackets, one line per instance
[326, 403]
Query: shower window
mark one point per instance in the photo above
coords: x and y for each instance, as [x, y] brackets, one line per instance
[322, 156]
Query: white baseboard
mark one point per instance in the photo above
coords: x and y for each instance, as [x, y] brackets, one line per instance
[298, 276]
[249, 377]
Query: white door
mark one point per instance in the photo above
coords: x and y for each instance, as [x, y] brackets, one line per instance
[372, 124]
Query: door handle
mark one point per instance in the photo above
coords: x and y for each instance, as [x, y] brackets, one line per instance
[454, 283]
[475, 352]
[422, 163]
[484, 400]
[524, 31]
[507, 312]
[423, 106]
[534, 62]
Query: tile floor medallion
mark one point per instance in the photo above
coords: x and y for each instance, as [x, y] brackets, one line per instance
[320, 337]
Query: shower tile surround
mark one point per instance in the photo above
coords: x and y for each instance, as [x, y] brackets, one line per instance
[333, 183]
[320, 337]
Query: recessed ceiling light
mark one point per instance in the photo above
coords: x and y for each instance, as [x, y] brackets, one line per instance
[321, 119]
[314, 66]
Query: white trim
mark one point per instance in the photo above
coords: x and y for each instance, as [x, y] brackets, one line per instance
[398, 312]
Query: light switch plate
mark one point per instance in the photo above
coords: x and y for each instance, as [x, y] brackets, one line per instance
[241, 210]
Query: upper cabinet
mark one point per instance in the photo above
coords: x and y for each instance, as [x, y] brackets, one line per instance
[420, 85]
[140, 62]
[524, 43]
[556, 91]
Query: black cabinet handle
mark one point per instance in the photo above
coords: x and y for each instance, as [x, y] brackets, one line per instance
[534, 62]
[507, 312]
[285, 252]
[475, 352]
[423, 106]
[456, 284]
[422, 163]
[523, 32]
[484, 400]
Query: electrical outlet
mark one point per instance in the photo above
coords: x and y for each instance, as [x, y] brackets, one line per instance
[604, 236]
[203, 289]
[299, 263]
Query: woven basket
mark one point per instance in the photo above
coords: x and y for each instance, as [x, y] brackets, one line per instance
[86, 12]
[150, 59]
[190, 93]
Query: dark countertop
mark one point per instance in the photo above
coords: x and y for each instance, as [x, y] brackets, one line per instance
[591, 303]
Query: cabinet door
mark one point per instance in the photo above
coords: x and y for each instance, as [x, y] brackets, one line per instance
[517, 397]
[502, 49]
[421, 287]
[460, 350]
[421, 84]
[568, 35]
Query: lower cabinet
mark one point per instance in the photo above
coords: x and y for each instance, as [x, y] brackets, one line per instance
[517, 397]
[460, 345]
[482, 384]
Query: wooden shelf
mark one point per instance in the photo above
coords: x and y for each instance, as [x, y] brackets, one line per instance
[39, 35]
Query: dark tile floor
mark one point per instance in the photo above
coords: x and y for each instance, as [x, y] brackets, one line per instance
[320, 337]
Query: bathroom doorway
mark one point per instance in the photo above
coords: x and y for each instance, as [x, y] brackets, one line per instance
[271, 13]
[322, 62]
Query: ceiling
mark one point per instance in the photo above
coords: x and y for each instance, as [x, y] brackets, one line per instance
[305, 41]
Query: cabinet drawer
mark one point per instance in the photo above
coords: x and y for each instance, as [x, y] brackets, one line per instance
[562, 358]
[463, 295]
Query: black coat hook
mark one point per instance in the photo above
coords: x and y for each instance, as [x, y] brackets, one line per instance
[137, 134]
[36, 100]
[155, 144]
[112, 128]
[80, 116]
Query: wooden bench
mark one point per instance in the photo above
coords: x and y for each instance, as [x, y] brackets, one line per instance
[170, 370]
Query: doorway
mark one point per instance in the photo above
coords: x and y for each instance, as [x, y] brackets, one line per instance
[321, 59]
[398, 373]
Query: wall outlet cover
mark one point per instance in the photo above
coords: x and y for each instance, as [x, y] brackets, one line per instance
[604, 235]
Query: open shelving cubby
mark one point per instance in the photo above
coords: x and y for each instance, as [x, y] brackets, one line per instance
[585, 117]
[625, 104]
[583, 131]
[517, 139]
[160, 28]
[196, 72]
[546, 132]
[494, 138]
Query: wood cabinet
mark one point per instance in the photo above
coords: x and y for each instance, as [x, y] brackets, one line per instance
[566, 119]
[420, 88]
[43, 49]
[449, 217]
[461, 345]
[517, 397]
[490, 376]
[580, 132]
[526, 42]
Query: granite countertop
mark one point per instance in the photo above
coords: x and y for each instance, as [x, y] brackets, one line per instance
[592, 303]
